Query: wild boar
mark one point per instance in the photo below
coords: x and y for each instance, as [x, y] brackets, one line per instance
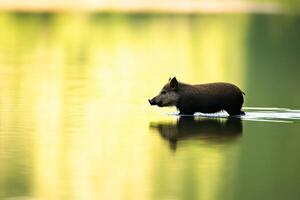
[204, 98]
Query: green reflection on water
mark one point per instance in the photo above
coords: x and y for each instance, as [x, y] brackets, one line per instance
[74, 118]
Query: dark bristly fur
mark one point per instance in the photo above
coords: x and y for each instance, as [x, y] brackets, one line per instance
[205, 98]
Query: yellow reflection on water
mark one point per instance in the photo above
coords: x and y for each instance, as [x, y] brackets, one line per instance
[74, 93]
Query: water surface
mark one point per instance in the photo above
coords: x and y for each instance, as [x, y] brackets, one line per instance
[75, 122]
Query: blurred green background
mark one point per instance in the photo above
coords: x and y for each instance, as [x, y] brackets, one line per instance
[74, 118]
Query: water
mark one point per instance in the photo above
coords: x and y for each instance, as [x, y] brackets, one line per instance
[75, 122]
[256, 114]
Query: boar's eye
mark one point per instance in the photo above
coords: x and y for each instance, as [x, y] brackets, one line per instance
[163, 92]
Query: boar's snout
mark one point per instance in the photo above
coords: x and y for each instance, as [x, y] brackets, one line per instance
[152, 102]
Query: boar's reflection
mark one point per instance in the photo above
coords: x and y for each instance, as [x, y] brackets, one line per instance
[217, 131]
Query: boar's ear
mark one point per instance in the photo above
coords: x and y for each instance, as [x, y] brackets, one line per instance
[170, 79]
[174, 83]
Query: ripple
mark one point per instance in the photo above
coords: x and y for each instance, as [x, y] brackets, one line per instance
[263, 114]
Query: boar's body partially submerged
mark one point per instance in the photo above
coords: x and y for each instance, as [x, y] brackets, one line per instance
[205, 98]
